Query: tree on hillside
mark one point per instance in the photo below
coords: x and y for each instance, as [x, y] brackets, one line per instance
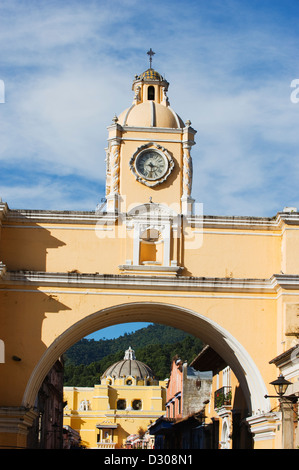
[158, 356]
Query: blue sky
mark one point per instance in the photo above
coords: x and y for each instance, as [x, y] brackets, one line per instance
[68, 69]
[115, 331]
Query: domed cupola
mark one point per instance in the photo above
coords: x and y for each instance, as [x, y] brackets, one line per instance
[151, 74]
[129, 367]
[148, 159]
[150, 106]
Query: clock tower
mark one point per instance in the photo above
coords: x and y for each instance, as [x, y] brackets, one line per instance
[149, 150]
[149, 177]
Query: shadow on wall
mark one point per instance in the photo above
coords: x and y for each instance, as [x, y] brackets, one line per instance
[25, 249]
[23, 313]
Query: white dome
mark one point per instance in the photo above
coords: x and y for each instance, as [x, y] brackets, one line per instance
[129, 366]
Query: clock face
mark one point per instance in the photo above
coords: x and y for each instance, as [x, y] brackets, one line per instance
[151, 165]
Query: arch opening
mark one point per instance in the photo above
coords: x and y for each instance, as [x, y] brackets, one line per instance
[181, 318]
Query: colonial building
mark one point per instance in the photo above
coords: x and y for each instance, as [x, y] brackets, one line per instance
[125, 402]
[187, 392]
[148, 254]
[225, 412]
[46, 431]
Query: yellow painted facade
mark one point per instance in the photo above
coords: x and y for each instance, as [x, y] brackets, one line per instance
[149, 255]
[226, 403]
[107, 414]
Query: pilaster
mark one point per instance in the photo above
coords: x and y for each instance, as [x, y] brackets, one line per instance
[188, 142]
[264, 429]
[15, 423]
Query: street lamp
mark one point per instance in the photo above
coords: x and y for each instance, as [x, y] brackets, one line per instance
[280, 385]
[286, 406]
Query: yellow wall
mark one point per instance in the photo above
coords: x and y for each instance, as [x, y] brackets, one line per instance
[226, 287]
[64, 275]
[99, 248]
[102, 410]
[135, 193]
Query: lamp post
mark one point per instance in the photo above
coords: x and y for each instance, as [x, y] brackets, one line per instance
[286, 406]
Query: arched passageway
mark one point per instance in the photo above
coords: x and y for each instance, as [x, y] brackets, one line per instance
[182, 318]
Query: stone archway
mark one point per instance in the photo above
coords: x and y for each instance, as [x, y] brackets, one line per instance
[182, 318]
[225, 434]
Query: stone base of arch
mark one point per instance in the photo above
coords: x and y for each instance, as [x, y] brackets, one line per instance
[264, 429]
[14, 425]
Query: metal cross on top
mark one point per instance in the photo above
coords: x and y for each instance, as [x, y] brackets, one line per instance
[150, 53]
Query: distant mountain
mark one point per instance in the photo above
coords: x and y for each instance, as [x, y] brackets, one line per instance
[154, 345]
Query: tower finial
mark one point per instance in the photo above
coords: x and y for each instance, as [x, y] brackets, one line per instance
[130, 354]
[151, 53]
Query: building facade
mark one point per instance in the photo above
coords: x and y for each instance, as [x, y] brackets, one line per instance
[225, 413]
[125, 402]
[47, 429]
[187, 392]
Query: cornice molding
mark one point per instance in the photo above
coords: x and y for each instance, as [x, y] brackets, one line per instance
[234, 222]
[60, 217]
[2, 270]
[16, 419]
[3, 210]
[285, 281]
[150, 282]
[23, 216]
[290, 218]
[264, 425]
[152, 130]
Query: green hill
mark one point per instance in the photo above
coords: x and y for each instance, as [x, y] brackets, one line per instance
[154, 345]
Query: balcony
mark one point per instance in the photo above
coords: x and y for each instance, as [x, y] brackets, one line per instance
[106, 445]
[223, 397]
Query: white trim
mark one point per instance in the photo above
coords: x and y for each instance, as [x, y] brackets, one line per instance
[151, 269]
[137, 414]
[88, 217]
[153, 114]
[105, 228]
[100, 396]
[53, 227]
[135, 139]
[127, 114]
[175, 116]
[16, 419]
[264, 426]
[216, 336]
[139, 281]
[134, 294]
[152, 130]
[209, 232]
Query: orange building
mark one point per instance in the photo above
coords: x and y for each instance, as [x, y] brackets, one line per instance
[187, 392]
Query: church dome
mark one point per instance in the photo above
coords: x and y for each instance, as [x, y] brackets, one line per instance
[129, 366]
[150, 114]
[151, 74]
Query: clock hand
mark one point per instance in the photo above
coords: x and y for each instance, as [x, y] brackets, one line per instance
[151, 165]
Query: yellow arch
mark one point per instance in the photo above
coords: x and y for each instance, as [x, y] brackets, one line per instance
[182, 318]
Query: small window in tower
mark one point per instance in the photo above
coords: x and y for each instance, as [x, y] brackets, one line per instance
[137, 404]
[151, 93]
[121, 404]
